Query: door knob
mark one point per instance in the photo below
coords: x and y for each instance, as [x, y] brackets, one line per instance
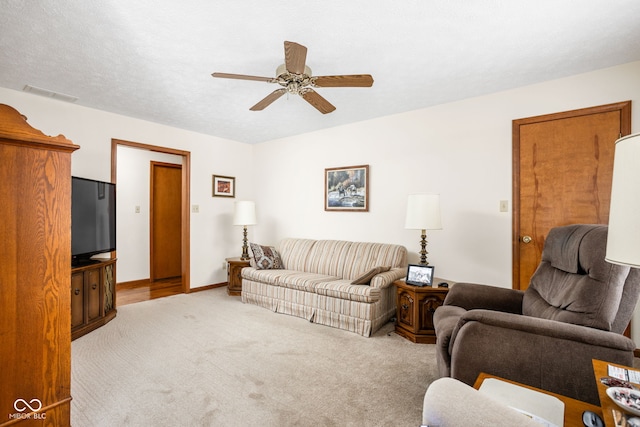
[527, 239]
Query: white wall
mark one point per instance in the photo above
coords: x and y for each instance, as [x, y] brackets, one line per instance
[461, 150]
[213, 238]
[133, 227]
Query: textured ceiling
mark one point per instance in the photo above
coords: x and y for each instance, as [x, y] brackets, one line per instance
[153, 59]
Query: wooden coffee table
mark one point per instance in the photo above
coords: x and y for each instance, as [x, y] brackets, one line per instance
[573, 408]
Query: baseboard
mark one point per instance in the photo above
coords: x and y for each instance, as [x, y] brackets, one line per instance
[204, 288]
[133, 284]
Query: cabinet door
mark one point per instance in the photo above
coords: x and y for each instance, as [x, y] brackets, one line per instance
[92, 278]
[405, 309]
[428, 304]
[77, 299]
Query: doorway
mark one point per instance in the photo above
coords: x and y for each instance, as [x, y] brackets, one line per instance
[562, 171]
[184, 200]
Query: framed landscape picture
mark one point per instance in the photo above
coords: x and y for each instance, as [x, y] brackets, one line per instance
[346, 189]
[224, 186]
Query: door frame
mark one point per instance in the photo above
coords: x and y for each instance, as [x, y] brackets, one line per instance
[625, 129]
[186, 197]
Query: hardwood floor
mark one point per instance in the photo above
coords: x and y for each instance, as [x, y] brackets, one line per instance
[143, 290]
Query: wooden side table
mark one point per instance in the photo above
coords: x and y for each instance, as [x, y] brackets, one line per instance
[234, 278]
[415, 307]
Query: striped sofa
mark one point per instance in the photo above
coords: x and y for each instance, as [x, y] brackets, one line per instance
[315, 283]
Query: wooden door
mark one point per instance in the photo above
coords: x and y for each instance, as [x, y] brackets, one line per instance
[562, 169]
[166, 220]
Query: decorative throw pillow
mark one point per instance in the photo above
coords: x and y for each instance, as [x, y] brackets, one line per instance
[266, 257]
[366, 277]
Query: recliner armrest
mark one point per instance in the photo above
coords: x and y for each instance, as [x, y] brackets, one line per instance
[542, 353]
[548, 328]
[471, 296]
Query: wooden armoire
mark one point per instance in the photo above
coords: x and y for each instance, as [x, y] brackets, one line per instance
[35, 271]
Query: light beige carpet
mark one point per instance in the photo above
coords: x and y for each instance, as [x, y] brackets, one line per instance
[207, 359]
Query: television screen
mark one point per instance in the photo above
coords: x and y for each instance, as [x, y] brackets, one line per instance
[93, 218]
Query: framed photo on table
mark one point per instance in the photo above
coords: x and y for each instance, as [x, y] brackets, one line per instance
[224, 186]
[420, 275]
[346, 189]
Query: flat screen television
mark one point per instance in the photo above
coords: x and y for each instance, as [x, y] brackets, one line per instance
[93, 219]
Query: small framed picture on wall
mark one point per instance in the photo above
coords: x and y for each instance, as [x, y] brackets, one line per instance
[224, 186]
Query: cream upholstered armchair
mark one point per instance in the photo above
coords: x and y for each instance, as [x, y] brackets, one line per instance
[576, 309]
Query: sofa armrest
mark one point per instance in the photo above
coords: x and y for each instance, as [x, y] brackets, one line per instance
[386, 279]
[542, 353]
[471, 296]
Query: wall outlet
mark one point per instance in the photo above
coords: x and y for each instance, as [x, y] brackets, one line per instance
[224, 265]
[195, 208]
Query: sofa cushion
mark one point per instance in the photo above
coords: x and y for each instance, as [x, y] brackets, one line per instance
[367, 276]
[265, 276]
[294, 252]
[362, 256]
[302, 280]
[266, 257]
[343, 289]
[327, 257]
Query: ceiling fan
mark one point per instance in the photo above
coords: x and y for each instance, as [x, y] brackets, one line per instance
[295, 77]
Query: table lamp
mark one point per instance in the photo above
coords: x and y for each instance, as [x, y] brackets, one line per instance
[623, 241]
[423, 213]
[244, 214]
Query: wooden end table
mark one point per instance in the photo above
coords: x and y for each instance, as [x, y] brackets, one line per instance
[234, 278]
[415, 308]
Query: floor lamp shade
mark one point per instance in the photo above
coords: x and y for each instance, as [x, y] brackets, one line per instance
[423, 212]
[623, 241]
[245, 213]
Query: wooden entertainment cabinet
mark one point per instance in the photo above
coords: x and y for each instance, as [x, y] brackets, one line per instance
[93, 296]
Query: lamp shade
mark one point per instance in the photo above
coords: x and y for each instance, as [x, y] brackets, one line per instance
[423, 212]
[623, 241]
[245, 213]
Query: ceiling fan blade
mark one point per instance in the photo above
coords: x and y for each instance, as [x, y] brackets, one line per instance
[268, 100]
[295, 57]
[314, 98]
[354, 80]
[244, 77]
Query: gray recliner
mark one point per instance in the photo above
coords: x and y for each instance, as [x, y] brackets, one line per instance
[575, 309]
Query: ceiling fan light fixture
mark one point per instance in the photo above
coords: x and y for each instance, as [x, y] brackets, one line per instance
[282, 70]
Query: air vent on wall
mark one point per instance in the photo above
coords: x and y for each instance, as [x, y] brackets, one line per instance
[49, 94]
